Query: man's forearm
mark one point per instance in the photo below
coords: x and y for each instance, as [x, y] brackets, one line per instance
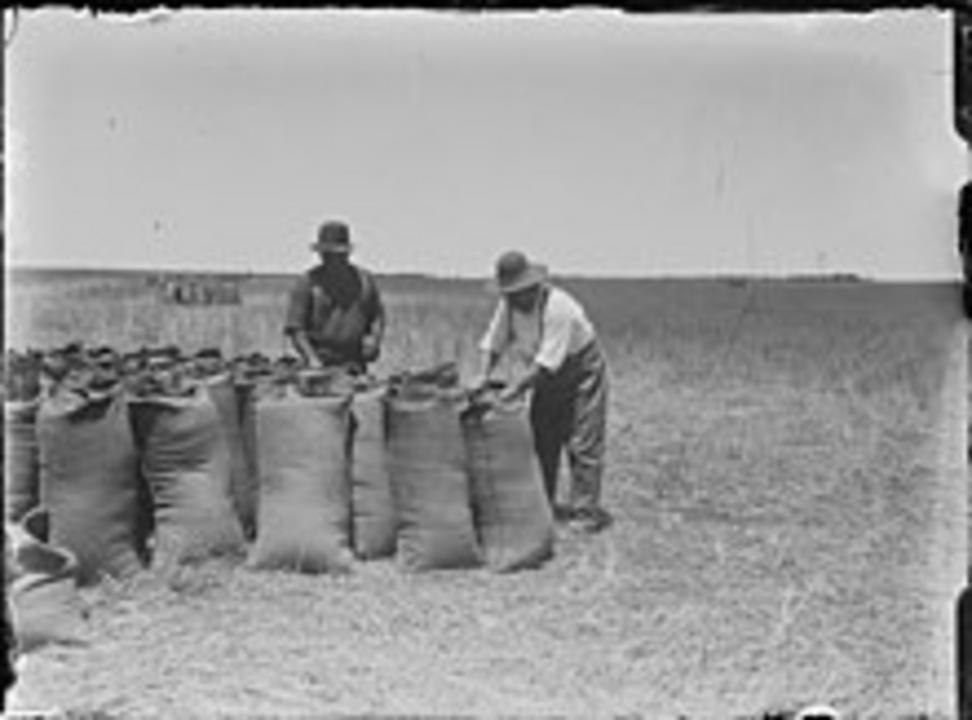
[303, 347]
[487, 363]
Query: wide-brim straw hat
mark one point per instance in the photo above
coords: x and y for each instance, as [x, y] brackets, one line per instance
[515, 272]
[333, 237]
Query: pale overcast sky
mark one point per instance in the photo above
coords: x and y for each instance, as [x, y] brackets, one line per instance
[599, 142]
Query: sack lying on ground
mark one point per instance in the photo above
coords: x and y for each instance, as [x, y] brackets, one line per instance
[21, 471]
[303, 519]
[513, 517]
[373, 512]
[32, 529]
[89, 481]
[185, 460]
[426, 463]
[244, 488]
[45, 604]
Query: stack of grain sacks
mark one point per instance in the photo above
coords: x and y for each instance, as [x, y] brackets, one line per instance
[154, 459]
[70, 469]
[359, 470]
[466, 485]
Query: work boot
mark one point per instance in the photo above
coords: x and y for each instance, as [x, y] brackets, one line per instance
[591, 520]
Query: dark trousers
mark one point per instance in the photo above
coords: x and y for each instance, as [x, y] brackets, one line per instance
[569, 412]
[964, 652]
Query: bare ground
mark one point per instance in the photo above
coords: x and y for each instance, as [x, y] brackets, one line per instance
[778, 542]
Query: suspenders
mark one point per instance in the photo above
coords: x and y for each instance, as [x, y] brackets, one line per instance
[542, 309]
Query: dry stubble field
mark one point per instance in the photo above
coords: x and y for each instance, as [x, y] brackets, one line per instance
[786, 468]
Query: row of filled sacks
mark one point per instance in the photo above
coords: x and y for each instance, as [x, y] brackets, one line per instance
[149, 373]
[317, 497]
[466, 482]
[315, 482]
[165, 479]
[143, 376]
[438, 482]
[74, 454]
[459, 500]
[124, 480]
[86, 377]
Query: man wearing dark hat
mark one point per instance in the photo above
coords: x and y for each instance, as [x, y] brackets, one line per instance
[548, 330]
[335, 317]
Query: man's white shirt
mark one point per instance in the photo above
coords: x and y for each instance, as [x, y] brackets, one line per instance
[548, 333]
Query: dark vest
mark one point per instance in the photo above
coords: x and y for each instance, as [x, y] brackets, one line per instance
[340, 317]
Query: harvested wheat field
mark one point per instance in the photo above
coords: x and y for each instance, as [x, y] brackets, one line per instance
[787, 473]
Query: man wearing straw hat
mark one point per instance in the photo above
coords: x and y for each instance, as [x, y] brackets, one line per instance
[335, 316]
[549, 331]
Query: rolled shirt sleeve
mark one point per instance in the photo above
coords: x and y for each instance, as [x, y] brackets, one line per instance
[497, 333]
[566, 330]
[298, 306]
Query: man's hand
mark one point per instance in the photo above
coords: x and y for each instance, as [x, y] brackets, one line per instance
[511, 393]
[479, 383]
[515, 389]
[370, 348]
[306, 351]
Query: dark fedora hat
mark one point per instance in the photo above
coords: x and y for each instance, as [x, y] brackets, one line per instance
[514, 272]
[333, 236]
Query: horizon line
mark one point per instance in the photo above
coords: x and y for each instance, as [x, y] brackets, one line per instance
[715, 275]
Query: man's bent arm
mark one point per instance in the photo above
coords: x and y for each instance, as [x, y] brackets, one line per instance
[526, 381]
[487, 365]
[303, 347]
